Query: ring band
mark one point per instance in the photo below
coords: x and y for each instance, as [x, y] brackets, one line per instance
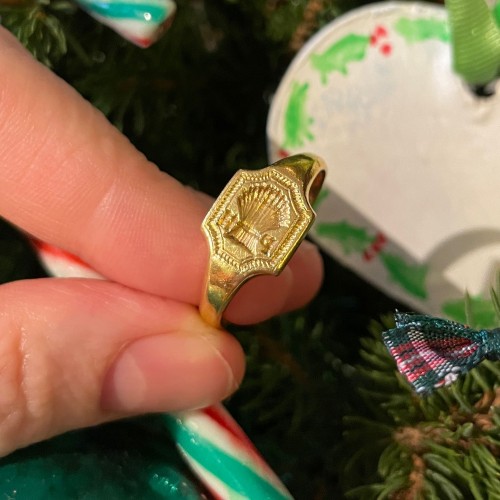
[255, 226]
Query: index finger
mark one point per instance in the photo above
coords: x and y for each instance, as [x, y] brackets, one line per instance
[71, 179]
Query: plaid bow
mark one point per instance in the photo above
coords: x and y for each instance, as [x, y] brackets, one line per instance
[433, 352]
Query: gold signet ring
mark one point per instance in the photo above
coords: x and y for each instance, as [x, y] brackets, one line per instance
[255, 226]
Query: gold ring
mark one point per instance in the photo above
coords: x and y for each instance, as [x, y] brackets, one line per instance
[255, 226]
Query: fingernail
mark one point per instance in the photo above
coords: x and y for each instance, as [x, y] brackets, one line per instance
[172, 372]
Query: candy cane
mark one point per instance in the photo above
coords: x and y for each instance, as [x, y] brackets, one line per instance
[139, 21]
[211, 442]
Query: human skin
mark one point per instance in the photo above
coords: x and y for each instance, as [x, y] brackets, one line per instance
[77, 352]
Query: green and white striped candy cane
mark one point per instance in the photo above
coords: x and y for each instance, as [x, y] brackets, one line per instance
[139, 21]
[210, 441]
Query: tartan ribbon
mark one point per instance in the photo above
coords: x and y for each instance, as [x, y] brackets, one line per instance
[432, 352]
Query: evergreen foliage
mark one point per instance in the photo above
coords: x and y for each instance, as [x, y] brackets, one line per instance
[402, 446]
[321, 398]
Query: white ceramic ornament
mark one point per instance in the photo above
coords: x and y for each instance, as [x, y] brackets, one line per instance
[413, 192]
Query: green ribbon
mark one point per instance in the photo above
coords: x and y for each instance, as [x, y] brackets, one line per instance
[475, 40]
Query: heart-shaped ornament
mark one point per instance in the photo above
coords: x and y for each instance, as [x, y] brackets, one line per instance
[413, 191]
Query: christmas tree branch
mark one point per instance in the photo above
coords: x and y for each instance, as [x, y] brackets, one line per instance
[37, 26]
[307, 25]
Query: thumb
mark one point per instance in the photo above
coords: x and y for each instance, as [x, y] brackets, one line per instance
[75, 353]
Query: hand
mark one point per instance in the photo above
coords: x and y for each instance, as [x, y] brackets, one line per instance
[77, 352]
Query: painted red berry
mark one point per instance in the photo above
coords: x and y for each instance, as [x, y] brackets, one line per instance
[386, 49]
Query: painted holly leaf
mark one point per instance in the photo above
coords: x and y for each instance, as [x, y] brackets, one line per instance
[409, 276]
[482, 311]
[419, 30]
[351, 238]
[297, 121]
[348, 49]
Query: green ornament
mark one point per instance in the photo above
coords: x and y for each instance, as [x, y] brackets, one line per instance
[129, 459]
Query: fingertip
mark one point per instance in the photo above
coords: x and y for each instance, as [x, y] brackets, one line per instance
[307, 271]
[267, 296]
[260, 298]
[175, 371]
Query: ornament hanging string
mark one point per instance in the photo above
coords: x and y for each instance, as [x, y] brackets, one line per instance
[475, 38]
[433, 352]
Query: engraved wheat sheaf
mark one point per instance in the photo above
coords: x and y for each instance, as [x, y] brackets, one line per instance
[262, 209]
